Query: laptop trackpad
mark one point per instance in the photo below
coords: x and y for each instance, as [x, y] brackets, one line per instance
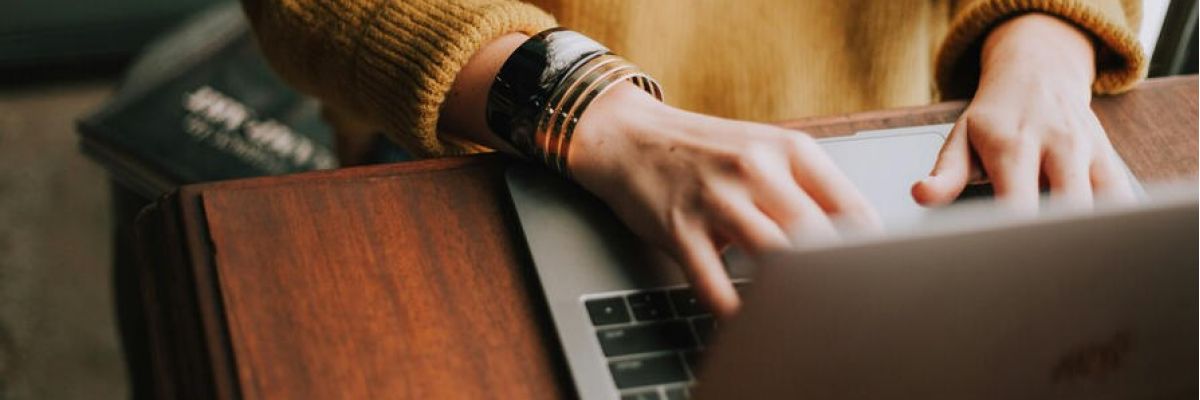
[884, 166]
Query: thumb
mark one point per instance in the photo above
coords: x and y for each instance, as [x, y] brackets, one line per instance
[951, 172]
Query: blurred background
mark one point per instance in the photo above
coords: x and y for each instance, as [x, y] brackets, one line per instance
[83, 75]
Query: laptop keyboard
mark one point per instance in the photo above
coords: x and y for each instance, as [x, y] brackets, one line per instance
[652, 339]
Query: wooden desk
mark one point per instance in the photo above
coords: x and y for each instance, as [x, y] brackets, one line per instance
[412, 280]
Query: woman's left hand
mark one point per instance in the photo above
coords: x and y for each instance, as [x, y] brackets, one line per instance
[1030, 122]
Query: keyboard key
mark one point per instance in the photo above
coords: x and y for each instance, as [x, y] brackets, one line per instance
[741, 288]
[692, 358]
[650, 306]
[651, 395]
[672, 335]
[607, 311]
[678, 393]
[704, 328]
[686, 303]
[648, 371]
[977, 191]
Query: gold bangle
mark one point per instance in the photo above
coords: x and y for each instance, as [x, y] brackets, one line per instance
[581, 88]
[571, 98]
[566, 133]
[556, 104]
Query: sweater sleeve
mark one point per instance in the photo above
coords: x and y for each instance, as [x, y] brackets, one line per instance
[390, 62]
[1120, 63]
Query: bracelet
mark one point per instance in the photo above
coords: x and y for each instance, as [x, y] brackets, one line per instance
[523, 85]
[557, 124]
[543, 89]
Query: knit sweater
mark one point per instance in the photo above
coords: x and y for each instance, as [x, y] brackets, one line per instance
[391, 63]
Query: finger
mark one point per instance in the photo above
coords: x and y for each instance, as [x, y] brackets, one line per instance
[1013, 171]
[1069, 177]
[829, 189]
[702, 264]
[1110, 180]
[815, 227]
[747, 225]
[951, 172]
[781, 199]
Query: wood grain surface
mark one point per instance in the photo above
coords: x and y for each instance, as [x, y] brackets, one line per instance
[412, 280]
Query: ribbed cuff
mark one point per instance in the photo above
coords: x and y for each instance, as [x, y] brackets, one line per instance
[409, 58]
[1120, 63]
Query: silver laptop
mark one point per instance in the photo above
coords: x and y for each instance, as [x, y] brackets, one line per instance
[1067, 306]
[629, 326]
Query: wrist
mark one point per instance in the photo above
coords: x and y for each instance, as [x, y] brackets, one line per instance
[616, 119]
[1038, 46]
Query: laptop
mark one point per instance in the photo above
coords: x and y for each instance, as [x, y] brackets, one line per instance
[1069, 305]
[628, 324]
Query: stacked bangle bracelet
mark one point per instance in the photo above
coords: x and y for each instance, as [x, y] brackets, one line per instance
[544, 88]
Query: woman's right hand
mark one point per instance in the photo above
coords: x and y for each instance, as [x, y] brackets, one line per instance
[692, 184]
[689, 183]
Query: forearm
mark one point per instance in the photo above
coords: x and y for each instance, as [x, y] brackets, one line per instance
[1110, 25]
[378, 59]
[463, 113]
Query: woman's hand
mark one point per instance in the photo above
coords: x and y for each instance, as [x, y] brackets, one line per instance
[686, 182]
[691, 184]
[1030, 122]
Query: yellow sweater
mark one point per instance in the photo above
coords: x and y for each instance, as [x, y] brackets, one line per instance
[390, 63]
